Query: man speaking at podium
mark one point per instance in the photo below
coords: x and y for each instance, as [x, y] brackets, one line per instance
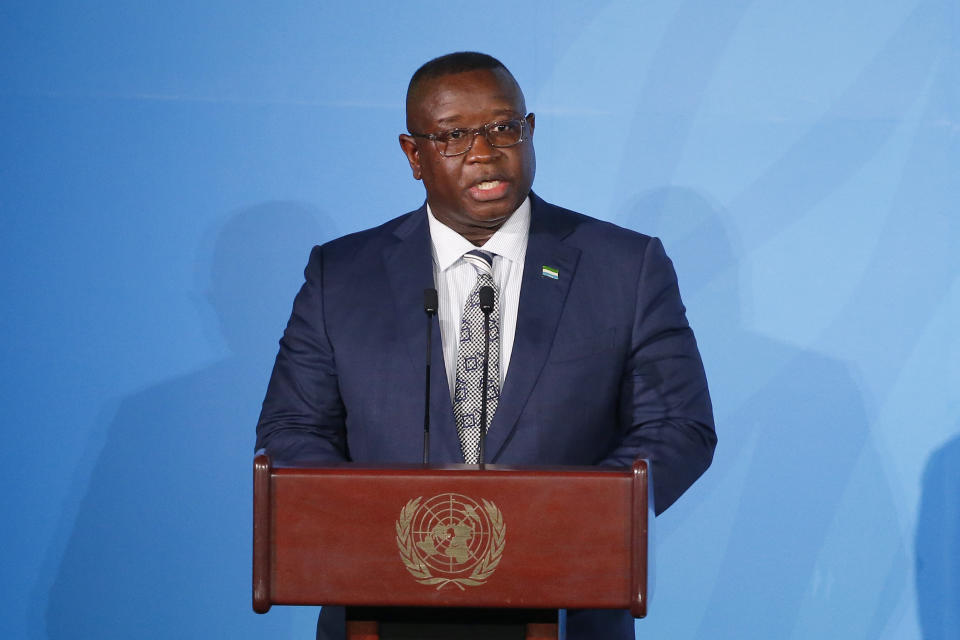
[591, 359]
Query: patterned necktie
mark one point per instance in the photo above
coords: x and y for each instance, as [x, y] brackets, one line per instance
[468, 392]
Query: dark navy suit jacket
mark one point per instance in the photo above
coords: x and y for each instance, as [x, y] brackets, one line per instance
[604, 368]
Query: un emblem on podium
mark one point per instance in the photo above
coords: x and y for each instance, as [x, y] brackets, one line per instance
[450, 539]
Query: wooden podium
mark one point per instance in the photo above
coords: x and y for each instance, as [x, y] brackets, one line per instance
[434, 545]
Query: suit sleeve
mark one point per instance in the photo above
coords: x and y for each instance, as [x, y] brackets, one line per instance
[665, 411]
[303, 415]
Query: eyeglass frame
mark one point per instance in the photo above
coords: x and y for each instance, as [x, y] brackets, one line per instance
[473, 133]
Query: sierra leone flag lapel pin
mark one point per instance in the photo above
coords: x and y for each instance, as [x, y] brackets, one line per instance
[550, 272]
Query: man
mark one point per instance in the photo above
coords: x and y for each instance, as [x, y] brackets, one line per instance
[592, 360]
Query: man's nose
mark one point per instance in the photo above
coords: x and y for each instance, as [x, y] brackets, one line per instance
[481, 150]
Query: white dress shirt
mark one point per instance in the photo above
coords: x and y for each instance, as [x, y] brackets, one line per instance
[455, 279]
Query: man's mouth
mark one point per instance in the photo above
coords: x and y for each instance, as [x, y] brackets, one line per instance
[489, 190]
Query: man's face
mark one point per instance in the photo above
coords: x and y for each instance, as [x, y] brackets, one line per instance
[476, 192]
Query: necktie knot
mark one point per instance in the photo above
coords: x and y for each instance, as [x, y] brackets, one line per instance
[482, 261]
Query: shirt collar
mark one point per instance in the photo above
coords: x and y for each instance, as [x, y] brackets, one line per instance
[509, 241]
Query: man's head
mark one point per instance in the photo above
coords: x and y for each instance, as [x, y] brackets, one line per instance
[476, 191]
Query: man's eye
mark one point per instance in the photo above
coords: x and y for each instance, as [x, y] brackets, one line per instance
[456, 134]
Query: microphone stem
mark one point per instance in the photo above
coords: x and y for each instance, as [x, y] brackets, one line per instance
[486, 373]
[426, 408]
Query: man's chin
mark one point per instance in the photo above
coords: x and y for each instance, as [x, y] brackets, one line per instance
[490, 219]
[492, 212]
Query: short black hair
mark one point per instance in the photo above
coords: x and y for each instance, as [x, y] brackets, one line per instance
[457, 62]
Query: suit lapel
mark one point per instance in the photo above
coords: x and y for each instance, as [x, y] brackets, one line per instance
[409, 270]
[541, 305]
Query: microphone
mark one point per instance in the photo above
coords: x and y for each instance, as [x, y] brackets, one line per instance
[486, 305]
[430, 304]
[486, 299]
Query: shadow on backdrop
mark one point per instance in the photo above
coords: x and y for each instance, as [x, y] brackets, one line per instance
[938, 545]
[161, 545]
[795, 480]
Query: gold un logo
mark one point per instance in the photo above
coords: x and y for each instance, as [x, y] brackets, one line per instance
[450, 539]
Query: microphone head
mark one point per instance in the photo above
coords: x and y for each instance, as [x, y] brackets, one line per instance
[486, 299]
[430, 302]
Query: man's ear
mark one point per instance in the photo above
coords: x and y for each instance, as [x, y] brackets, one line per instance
[409, 146]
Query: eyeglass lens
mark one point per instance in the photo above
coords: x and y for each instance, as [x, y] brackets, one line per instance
[499, 134]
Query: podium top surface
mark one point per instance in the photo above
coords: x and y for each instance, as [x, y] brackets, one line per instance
[320, 466]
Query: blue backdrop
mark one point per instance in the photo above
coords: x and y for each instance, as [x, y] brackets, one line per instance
[166, 166]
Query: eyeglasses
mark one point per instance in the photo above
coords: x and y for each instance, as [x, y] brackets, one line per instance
[456, 142]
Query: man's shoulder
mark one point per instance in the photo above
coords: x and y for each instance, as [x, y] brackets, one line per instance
[375, 238]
